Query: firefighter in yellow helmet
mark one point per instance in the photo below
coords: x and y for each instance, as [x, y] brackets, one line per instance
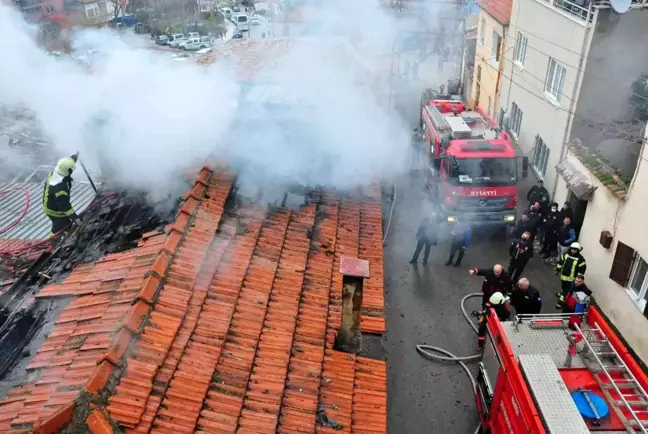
[500, 303]
[56, 195]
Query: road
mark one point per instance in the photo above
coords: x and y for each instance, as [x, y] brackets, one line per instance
[423, 307]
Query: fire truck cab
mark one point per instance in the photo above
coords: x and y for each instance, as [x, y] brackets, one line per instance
[472, 168]
[538, 375]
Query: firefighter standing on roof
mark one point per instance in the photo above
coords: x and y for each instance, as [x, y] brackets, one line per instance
[56, 195]
[570, 265]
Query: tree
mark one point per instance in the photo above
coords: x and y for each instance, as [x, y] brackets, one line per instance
[639, 98]
[118, 7]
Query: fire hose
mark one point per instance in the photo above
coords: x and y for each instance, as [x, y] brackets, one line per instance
[24, 211]
[428, 351]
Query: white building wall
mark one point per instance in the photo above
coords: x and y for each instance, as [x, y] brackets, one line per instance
[550, 33]
[626, 220]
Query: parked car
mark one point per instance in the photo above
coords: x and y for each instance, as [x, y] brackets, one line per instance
[237, 34]
[257, 20]
[192, 35]
[236, 9]
[176, 39]
[162, 40]
[227, 12]
[241, 21]
[195, 44]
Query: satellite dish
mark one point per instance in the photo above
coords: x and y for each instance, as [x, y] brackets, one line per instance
[620, 6]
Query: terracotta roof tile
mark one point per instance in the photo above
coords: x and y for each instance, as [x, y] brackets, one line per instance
[500, 10]
[223, 323]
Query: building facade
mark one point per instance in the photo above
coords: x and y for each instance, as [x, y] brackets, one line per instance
[613, 238]
[572, 80]
[492, 28]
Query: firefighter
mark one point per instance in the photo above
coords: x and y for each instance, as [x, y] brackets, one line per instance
[523, 225]
[536, 192]
[570, 265]
[551, 224]
[498, 302]
[520, 251]
[566, 236]
[460, 238]
[525, 298]
[56, 195]
[427, 237]
[567, 301]
[495, 280]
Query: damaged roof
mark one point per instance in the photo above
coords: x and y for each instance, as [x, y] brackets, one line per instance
[224, 322]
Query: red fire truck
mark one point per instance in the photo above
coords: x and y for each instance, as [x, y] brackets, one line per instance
[538, 375]
[472, 168]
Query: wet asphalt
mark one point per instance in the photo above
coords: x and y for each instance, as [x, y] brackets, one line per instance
[423, 308]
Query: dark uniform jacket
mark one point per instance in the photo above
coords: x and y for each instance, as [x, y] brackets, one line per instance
[552, 224]
[526, 301]
[493, 283]
[566, 235]
[536, 193]
[56, 198]
[427, 232]
[520, 251]
[521, 227]
[569, 266]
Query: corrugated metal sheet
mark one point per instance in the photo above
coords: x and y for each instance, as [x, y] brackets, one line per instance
[35, 225]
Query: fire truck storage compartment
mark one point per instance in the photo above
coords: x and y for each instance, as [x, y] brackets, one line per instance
[551, 396]
[459, 127]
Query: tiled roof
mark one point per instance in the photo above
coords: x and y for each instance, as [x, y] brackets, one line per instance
[223, 323]
[498, 9]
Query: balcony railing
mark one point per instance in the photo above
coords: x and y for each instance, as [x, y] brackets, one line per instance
[580, 12]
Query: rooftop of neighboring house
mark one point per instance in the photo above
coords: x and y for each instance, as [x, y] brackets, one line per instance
[500, 10]
[225, 320]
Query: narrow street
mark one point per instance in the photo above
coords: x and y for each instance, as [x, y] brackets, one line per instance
[423, 307]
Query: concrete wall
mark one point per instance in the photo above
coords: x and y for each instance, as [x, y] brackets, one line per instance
[524, 84]
[617, 57]
[602, 211]
[484, 57]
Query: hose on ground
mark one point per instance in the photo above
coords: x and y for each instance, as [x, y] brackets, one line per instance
[432, 352]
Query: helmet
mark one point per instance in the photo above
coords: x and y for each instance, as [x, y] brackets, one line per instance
[65, 166]
[576, 246]
[497, 298]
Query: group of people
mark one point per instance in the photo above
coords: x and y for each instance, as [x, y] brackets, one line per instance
[541, 222]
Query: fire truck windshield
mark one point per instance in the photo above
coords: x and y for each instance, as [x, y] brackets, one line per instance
[483, 171]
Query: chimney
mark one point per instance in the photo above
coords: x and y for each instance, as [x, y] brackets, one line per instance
[354, 271]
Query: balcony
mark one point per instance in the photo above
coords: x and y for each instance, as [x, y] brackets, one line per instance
[579, 10]
[30, 4]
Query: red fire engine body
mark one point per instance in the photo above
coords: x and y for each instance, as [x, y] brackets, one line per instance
[539, 376]
[472, 166]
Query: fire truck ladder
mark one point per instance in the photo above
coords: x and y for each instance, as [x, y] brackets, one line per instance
[628, 398]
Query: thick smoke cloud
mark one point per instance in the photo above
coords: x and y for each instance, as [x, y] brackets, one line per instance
[149, 118]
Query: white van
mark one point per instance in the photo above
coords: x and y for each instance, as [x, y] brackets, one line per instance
[242, 22]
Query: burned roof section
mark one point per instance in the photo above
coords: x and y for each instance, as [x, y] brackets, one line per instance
[224, 321]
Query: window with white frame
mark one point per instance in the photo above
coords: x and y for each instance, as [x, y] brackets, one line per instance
[482, 31]
[631, 272]
[521, 42]
[515, 121]
[540, 156]
[496, 47]
[638, 287]
[555, 79]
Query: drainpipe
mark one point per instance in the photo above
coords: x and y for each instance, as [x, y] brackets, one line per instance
[354, 271]
[576, 89]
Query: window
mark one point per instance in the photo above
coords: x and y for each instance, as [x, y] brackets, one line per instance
[555, 79]
[521, 42]
[631, 271]
[622, 264]
[490, 105]
[496, 47]
[516, 120]
[92, 12]
[49, 9]
[540, 156]
[482, 31]
[500, 119]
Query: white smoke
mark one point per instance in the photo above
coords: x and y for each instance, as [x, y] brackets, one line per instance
[148, 117]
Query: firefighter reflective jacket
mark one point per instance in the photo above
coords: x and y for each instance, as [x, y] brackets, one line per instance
[56, 196]
[570, 266]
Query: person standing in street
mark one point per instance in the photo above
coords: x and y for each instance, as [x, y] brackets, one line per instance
[523, 225]
[536, 192]
[566, 236]
[520, 251]
[460, 238]
[495, 280]
[551, 224]
[427, 237]
[525, 298]
[570, 264]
